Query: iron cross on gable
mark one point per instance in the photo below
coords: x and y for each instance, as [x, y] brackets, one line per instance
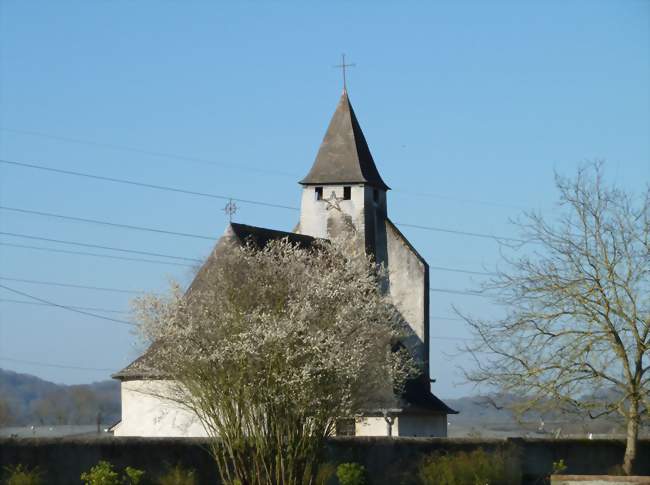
[343, 66]
[230, 209]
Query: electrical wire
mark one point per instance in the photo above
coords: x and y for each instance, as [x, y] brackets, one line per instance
[36, 303]
[145, 185]
[70, 285]
[462, 233]
[97, 246]
[211, 238]
[65, 307]
[58, 366]
[149, 152]
[82, 253]
[243, 167]
[105, 223]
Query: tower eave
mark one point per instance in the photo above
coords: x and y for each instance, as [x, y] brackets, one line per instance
[309, 182]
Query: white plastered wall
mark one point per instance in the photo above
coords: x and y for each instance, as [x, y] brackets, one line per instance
[408, 290]
[146, 414]
[430, 425]
[373, 426]
[314, 214]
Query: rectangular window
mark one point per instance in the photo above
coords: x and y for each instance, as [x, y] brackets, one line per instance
[375, 195]
[319, 193]
[347, 193]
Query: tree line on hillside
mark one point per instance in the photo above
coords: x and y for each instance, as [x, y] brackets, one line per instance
[26, 400]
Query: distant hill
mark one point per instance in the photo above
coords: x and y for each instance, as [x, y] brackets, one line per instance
[26, 400]
[479, 416]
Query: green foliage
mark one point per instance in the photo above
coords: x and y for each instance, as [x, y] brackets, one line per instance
[325, 472]
[559, 467]
[101, 474]
[178, 476]
[21, 475]
[351, 474]
[133, 476]
[104, 474]
[470, 468]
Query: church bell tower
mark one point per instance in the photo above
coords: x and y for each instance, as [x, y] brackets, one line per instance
[344, 187]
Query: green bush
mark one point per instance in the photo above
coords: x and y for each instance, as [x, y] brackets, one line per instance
[559, 467]
[351, 474]
[104, 474]
[21, 475]
[470, 468]
[325, 472]
[178, 476]
[133, 476]
[101, 474]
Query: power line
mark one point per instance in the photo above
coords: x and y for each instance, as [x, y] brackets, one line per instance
[459, 199]
[150, 152]
[105, 223]
[211, 238]
[58, 366]
[8, 300]
[456, 270]
[70, 285]
[452, 319]
[242, 167]
[87, 245]
[433, 337]
[83, 253]
[148, 253]
[83, 312]
[462, 233]
[145, 185]
[459, 292]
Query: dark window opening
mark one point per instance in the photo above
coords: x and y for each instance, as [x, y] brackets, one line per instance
[375, 195]
[347, 193]
[345, 427]
[319, 193]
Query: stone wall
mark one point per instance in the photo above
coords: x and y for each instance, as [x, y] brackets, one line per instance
[388, 461]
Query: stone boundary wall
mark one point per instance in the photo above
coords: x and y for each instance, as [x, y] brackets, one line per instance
[388, 460]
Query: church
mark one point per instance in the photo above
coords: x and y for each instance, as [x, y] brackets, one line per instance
[342, 187]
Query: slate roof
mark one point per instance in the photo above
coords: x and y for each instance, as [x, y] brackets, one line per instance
[239, 234]
[344, 156]
[418, 398]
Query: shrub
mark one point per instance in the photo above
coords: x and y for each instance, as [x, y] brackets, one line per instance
[559, 467]
[21, 475]
[133, 476]
[351, 474]
[101, 474]
[178, 476]
[470, 468]
[325, 472]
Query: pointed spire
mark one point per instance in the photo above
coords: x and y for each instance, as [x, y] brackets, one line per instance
[344, 156]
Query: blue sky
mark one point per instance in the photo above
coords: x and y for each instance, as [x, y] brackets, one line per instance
[468, 107]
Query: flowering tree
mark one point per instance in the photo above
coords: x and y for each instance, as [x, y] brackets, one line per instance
[576, 334]
[269, 346]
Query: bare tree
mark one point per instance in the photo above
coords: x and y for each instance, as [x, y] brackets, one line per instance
[577, 308]
[270, 346]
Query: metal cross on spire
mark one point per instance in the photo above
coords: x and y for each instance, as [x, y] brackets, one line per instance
[343, 66]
